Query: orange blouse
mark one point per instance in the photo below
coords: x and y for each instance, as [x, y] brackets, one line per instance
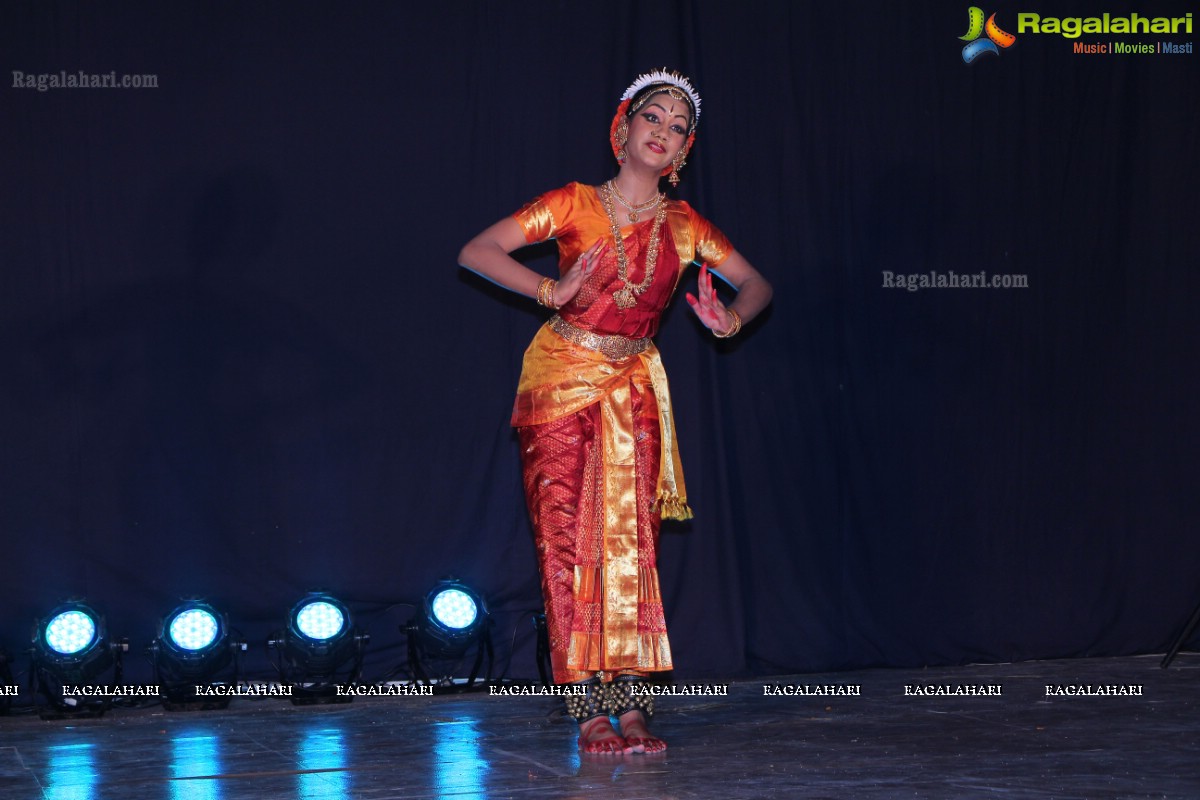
[574, 216]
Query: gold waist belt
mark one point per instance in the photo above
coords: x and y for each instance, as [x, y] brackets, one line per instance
[612, 346]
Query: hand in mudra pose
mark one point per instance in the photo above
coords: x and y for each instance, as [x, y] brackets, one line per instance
[708, 306]
[572, 280]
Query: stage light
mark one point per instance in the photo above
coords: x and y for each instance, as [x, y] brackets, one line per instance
[194, 630]
[71, 651]
[70, 632]
[320, 620]
[453, 619]
[319, 649]
[195, 657]
[454, 609]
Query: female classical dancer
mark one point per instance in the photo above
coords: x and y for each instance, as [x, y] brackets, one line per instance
[598, 444]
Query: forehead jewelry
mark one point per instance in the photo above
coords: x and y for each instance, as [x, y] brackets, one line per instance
[674, 84]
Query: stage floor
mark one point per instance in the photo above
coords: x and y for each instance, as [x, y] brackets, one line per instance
[927, 733]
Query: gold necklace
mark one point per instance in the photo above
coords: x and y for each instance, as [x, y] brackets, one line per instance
[626, 297]
[638, 209]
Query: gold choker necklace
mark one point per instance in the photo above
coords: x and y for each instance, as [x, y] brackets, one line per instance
[634, 210]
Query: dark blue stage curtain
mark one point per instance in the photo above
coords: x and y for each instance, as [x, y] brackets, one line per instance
[238, 359]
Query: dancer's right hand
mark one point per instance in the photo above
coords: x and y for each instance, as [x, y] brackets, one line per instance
[572, 280]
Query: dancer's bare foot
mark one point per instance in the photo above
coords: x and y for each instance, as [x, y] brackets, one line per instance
[598, 737]
[637, 736]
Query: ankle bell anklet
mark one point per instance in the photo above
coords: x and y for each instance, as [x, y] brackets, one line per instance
[583, 707]
[623, 697]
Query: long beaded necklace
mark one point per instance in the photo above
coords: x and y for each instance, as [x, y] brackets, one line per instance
[626, 297]
[634, 211]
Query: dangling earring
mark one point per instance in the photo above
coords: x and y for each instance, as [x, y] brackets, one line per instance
[677, 164]
[622, 138]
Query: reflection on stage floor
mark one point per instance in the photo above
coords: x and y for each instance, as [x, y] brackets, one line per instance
[1062, 729]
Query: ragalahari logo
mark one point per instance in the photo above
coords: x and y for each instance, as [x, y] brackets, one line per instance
[976, 27]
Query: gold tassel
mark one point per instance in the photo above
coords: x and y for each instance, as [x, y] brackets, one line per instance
[673, 507]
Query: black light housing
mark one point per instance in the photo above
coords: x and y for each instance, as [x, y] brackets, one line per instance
[319, 649]
[71, 651]
[453, 619]
[194, 649]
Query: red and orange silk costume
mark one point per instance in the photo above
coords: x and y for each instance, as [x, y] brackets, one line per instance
[598, 445]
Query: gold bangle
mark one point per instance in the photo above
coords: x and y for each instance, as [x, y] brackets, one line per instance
[545, 293]
[733, 328]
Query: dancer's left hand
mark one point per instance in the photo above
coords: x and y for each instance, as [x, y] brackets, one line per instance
[708, 306]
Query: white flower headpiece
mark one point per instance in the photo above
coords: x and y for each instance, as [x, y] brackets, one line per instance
[670, 78]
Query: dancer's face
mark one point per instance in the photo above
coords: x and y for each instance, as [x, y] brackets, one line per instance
[658, 130]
